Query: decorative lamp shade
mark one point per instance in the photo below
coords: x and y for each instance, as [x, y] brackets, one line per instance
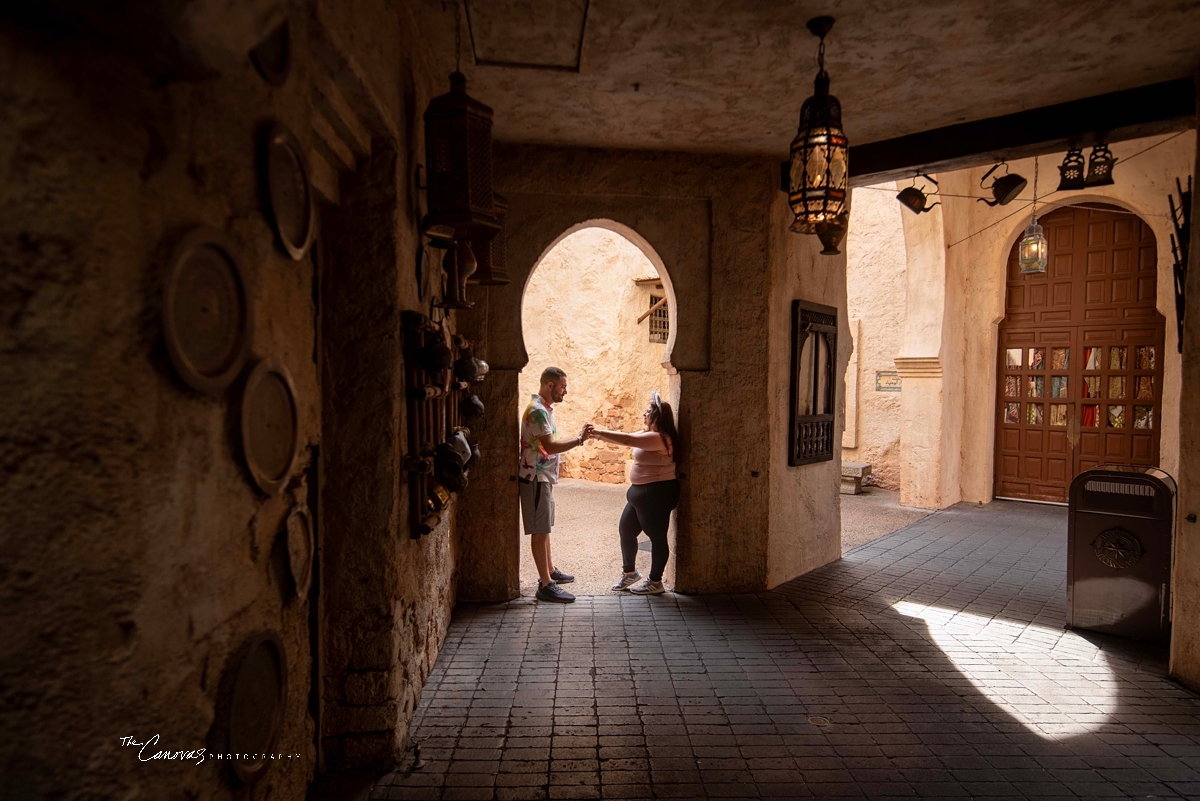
[1032, 253]
[493, 263]
[1100, 166]
[1071, 171]
[820, 174]
[458, 152]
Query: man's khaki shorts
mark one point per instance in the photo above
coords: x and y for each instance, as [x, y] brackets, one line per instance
[537, 506]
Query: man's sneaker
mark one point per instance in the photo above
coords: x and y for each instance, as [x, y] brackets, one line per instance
[554, 593]
[649, 587]
[559, 577]
[626, 580]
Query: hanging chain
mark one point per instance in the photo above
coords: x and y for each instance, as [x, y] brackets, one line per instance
[1035, 179]
[457, 36]
[821, 55]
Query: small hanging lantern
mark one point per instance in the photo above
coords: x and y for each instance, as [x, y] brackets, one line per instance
[1032, 252]
[458, 154]
[493, 263]
[818, 189]
[914, 199]
[1071, 170]
[1100, 166]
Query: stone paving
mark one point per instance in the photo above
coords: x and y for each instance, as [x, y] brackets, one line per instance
[930, 663]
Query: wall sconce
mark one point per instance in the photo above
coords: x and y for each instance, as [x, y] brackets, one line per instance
[819, 175]
[1071, 170]
[1100, 166]
[915, 199]
[1005, 188]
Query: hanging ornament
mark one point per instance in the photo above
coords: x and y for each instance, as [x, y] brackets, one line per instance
[1032, 253]
[1100, 166]
[1071, 170]
[818, 188]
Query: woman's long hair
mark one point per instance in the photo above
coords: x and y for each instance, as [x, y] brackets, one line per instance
[662, 418]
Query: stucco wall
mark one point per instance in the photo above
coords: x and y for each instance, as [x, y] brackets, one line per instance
[580, 313]
[875, 297]
[704, 221]
[975, 274]
[137, 555]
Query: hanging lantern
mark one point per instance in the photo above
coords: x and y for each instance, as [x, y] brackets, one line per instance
[493, 264]
[818, 188]
[1100, 166]
[1071, 170]
[458, 151]
[1032, 252]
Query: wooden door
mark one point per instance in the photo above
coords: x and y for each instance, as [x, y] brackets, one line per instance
[1080, 356]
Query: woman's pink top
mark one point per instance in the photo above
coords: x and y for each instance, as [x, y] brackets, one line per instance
[651, 466]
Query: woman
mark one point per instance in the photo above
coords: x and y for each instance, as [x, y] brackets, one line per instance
[655, 492]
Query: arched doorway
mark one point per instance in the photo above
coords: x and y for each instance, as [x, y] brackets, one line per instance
[597, 306]
[1080, 362]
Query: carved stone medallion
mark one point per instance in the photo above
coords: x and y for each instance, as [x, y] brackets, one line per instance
[270, 425]
[289, 190]
[1117, 548]
[207, 312]
[255, 708]
[301, 549]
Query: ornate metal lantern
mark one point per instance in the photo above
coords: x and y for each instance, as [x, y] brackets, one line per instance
[458, 152]
[1071, 170]
[1100, 166]
[1032, 252]
[818, 189]
[493, 262]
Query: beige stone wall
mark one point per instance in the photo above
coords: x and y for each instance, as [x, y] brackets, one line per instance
[876, 262]
[138, 556]
[580, 313]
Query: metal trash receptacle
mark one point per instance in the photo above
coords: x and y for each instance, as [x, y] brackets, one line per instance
[1120, 538]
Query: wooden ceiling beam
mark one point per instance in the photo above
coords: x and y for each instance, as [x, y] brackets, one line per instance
[1152, 110]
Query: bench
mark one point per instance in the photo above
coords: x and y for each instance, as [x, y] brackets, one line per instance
[853, 474]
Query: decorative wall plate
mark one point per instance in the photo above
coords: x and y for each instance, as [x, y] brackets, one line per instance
[289, 191]
[273, 56]
[207, 311]
[301, 548]
[270, 425]
[256, 705]
[1117, 548]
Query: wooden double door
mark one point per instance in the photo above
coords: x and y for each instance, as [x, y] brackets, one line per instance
[1080, 360]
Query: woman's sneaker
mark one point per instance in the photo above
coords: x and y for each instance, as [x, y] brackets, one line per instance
[649, 587]
[553, 593]
[626, 580]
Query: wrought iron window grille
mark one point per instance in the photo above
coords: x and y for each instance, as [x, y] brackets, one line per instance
[813, 391]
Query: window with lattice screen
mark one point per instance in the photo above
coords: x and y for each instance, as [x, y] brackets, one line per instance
[660, 321]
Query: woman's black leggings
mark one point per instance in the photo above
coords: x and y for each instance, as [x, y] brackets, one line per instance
[648, 509]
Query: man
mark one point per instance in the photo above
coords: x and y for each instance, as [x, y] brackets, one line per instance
[538, 474]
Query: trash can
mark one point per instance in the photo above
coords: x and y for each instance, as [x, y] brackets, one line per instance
[1120, 534]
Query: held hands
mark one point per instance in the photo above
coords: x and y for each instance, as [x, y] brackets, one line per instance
[587, 433]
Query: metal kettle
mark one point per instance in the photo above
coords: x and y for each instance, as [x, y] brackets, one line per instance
[1005, 188]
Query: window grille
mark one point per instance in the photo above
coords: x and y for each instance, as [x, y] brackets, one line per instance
[660, 321]
[813, 391]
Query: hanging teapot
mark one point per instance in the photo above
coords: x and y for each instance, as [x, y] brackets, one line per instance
[1005, 188]
[914, 199]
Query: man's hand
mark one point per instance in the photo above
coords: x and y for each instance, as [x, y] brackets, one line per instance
[586, 434]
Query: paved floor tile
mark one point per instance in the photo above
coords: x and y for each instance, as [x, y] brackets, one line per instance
[931, 663]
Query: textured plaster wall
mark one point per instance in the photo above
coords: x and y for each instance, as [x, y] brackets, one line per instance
[580, 313]
[704, 221]
[876, 261]
[136, 555]
[1185, 590]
